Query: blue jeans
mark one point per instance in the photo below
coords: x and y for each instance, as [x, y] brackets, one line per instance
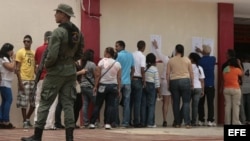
[135, 101]
[109, 95]
[126, 91]
[148, 105]
[195, 97]
[181, 88]
[6, 95]
[87, 99]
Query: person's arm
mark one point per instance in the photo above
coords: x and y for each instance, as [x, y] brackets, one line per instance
[132, 72]
[158, 52]
[17, 71]
[80, 72]
[191, 74]
[119, 82]
[143, 76]
[10, 66]
[97, 78]
[53, 49]
[199, 50]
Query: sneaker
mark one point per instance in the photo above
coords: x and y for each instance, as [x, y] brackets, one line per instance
[91, 126]
[28, 122]
[164, 124]
[200, 123]
[107, 126]
[211, 124]
[86, 124]
[25, 125]
[151, 126]
[188, 126]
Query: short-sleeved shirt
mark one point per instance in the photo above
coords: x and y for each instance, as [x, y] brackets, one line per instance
[7, 76]
[208, 64]
[179, 67]
[198, 74]
[152, 75]
[111, 76]
[245, 88]
[90, 66]
[231, 77]
[38, 57]
[126, 60]
[139, 62]
[27, 60]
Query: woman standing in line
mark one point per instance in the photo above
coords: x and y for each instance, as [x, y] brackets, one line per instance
[7, 73]
[166, 95]
[87, 82]
[198, 90]
[180, 79]
[150, 92]
[232, 91]
[107, 87]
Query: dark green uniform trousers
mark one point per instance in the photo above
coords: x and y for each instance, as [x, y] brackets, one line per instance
[64, 86]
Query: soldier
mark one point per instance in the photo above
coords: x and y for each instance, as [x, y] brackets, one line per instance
[64, 49]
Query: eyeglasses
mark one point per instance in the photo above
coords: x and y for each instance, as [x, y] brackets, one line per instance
[26, 41]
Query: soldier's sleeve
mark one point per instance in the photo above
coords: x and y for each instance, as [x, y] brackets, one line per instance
[79, 52]
[53, 49]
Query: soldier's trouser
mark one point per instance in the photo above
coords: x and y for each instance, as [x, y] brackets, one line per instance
[64, 86]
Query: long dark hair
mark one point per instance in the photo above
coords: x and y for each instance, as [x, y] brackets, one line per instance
[195, 58]
[150, 60]
[88, 55]
[5, 49]
[233, 62]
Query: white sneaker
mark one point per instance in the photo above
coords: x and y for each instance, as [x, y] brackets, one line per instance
[151, 126]
[91, 126]
[200, 123]
[211, 124]
[107, 126]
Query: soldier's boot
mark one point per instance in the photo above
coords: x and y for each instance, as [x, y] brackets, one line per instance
[69, 134]
[36, 137]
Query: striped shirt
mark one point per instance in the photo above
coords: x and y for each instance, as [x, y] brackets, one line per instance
[152, 75]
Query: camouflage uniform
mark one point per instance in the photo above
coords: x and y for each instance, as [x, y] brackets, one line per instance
[61, 76]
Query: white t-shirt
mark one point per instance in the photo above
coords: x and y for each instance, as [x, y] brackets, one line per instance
[245, 88]
[198, 74]
[111, 76]
[7, 76]
[139, 61]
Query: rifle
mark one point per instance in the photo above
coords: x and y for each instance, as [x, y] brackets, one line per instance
[39, 71]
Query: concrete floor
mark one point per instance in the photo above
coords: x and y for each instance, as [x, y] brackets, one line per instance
[118, 134]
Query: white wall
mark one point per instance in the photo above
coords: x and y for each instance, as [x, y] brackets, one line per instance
[33, 17]
[177, 21]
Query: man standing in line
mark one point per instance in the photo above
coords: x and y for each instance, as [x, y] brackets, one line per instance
[38, 56]
[64, 49]
[138, 82]
[25, 71]
[126, 60]
[207, 62]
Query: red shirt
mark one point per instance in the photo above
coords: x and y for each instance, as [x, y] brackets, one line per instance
[38, 57]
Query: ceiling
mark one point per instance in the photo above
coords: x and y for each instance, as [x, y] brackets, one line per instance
[241, 9]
